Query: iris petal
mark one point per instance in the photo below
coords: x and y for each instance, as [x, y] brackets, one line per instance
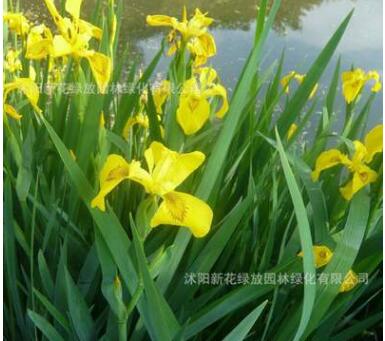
[328, 159]
[182, 209]
[373, 142]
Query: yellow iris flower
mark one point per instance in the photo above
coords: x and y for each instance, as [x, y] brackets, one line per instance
[39, 42]
[349, 282]
[354, 81]
[357, 165]
[140, 119]
[193, 33]
[322, 256]
[285, 82]
[17, 23]
[194, 106]
[160, 95]
[29, 88]
[12, 62]
[166, 171]
[73, 40]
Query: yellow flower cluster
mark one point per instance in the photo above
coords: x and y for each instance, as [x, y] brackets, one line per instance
[352, 83]
[165, 171]
[362, 174]
[202, 87]
[322, 256]
[72, 40]
[17, 23]
[188, 33]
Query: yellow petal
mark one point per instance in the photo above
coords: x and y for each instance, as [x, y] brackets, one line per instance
[374, 75]
[102, 121]
[360, 153]
[173, 48]
[11, 111]
[17, 23]
[141, 176]
[192, 113]
[61, 47]
[376, 87]
[322, 255]
[160, 20]
[73, 7]
[39, 42]
[139, 119]
[352, 84]
[101, 68]
[349, 282]
[12, 62]
[168, 168]
[39, 50]
[160, 95]
[361, 177]
[299, 78]
[28, 87]
[285, 81]
[207, 76]
[57, 18]
[220, 91]
[202, 48]
[373, 142]
[328, 159]
[201, 19]
[32, 72]
[182, 209]
[91, 30]
[292, 129]
[115, 170]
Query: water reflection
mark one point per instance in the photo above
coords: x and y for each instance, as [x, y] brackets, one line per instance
[230, 14]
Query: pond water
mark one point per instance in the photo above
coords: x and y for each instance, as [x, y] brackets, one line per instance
[302, 28]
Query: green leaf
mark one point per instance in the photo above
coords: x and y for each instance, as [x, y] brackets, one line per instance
[155, 132]
[306, 239]
[213, 249]
[52, 310]
[344, 254]
[358, 328]
[330, 98]
[79, 312]
[24, 175]
[226, 304]
[46, 328]
[164, 325]
[45, 274]
[11, 266]
[240, 332]
[301, 96]
[220, 150]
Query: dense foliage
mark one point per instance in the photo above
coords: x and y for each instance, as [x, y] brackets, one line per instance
[137, 209]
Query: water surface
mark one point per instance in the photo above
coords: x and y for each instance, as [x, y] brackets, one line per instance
[302, 28]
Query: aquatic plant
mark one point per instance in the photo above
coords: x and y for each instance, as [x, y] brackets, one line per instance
[136, 209]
